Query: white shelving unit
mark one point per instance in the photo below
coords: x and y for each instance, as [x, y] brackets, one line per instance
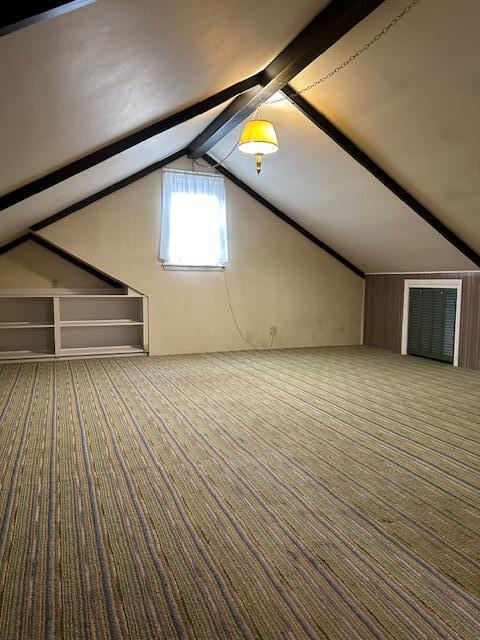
[50, 325]
[25, 325]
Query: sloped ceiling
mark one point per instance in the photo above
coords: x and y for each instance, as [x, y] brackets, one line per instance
[16, 219]
[320, 186]
[410, 102]
[78, 81]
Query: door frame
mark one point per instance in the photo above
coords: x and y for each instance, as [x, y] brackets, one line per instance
[450, 283]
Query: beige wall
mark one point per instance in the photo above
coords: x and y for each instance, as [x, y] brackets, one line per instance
[276, 276]
[30, 266]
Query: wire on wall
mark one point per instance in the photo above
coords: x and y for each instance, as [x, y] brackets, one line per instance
[257, 114]
[272, 338]
[217, 164]
[232, 311]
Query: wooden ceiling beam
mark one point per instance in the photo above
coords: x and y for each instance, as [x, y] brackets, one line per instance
[158, 165]
[322, 122]
[81, 204]
[101, 275]
[283, 216]
[114, 148]
[333, 22]
[154, 167]
[46, 244]
[18, 15]
[14, 243]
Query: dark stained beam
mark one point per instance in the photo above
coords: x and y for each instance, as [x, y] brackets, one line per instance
[110, 150]
[113, 282]
[338, 17]
[31, 237]
[18, 15]
[283, 216]
[372, 167]
[107, 191]
[14, 243]
[158, 165]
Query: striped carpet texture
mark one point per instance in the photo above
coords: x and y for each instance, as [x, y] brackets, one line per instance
[294, 494]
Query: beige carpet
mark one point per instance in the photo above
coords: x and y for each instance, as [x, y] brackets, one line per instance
[307, 493]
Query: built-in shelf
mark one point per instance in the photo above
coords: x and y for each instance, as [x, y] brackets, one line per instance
[25, 325]
[25, 354]
[76, 325]
[116, 322]
[128, 348]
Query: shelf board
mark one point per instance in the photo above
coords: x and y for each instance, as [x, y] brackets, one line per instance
[54, 292]
[16, 355]
[101, 295]
[25, 325]
[76, 351]
[113, 322]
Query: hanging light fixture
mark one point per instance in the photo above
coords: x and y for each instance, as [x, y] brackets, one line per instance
[258, 138]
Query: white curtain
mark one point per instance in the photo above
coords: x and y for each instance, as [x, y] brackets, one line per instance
[194, 226]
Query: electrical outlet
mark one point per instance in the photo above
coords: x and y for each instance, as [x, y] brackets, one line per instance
[273, 331]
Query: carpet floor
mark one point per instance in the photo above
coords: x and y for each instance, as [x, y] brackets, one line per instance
[294, 494]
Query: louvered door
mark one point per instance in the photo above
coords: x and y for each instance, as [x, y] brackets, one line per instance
[431, 322]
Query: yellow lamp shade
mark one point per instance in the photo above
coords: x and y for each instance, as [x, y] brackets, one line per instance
[258, 137]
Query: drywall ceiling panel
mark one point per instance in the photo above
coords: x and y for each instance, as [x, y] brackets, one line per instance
[321, 187]
[411, 102]
[83, 79]
[19, 217]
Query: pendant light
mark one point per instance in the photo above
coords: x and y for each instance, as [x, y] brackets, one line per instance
[258, 138]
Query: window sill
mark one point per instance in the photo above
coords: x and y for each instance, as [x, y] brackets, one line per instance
[184, 267]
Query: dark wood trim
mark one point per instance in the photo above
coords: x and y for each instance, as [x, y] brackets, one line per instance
[46, 244]
[24, 14]
[372, 167]
[107, 191]
[283, 216]
[158, 165]
[140, 174]
[333, 22]
[113, 282]
[110, 150]
[14, 243]
[231, 116]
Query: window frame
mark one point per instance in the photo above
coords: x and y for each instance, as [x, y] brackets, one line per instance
[167, 263]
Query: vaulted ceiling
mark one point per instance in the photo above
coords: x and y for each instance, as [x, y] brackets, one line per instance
[82, 80]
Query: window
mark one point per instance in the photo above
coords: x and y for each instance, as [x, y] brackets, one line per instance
[194, 227]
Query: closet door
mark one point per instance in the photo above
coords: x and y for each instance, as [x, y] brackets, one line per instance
[431, 323]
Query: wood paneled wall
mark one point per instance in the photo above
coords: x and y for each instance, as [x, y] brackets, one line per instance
[384, 310]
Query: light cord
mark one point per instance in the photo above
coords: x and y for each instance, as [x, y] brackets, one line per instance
[237, 326]
[217, 164]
